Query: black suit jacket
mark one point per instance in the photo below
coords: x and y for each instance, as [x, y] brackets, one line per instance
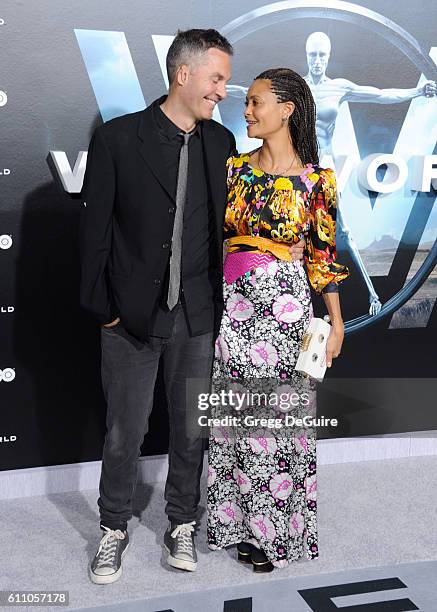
[128, 217]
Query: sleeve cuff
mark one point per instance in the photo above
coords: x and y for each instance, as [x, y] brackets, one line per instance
[330, 288]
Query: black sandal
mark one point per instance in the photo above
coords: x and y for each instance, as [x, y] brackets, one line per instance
[244, 552]
[251, 555]
[260, 562]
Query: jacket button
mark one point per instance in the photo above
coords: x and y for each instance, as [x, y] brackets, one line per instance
[157, 281]
[165, 245]
[172, 210]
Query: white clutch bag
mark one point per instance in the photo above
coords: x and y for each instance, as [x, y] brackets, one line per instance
[312, 356]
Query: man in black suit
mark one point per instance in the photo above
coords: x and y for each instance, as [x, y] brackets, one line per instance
[152, 278]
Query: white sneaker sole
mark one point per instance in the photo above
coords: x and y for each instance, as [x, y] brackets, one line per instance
[107, 579]
[189, 566]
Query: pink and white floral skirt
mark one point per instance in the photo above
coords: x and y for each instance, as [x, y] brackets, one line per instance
[263, 488]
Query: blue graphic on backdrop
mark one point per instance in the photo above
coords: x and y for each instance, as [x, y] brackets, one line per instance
[111, 71]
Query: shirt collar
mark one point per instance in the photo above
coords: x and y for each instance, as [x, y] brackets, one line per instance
[166, 125]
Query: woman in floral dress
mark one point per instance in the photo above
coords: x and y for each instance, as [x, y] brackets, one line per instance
[262, 488]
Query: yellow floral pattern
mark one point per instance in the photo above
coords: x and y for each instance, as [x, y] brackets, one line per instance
[285, 210]
[283, 184]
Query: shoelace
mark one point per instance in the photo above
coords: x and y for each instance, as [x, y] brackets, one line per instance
[108, 546]
[183, 533]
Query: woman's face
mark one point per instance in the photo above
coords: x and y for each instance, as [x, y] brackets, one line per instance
[263, 112]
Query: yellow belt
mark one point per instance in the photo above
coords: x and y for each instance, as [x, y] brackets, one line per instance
[262, 245]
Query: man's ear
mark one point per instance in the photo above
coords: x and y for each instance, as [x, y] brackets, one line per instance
[182, 74]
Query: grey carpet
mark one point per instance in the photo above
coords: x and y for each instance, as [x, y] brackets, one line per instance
[403, 587]
[371, 514]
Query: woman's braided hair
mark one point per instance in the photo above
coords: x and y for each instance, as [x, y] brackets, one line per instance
[291, 87]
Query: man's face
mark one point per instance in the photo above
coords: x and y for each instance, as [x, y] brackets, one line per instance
[205, 85]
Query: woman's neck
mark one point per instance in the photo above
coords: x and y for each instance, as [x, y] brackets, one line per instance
[277, 153]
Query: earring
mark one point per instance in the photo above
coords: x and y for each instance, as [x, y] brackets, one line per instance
[284, 119]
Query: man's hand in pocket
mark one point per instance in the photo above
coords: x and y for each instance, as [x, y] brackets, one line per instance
[113, 323]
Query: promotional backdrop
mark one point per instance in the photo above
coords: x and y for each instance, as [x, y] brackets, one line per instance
[66, 67]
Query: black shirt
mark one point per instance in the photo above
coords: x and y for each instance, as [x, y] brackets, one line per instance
[196, 233]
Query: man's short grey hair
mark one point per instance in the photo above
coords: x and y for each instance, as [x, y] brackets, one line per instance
[191, 43]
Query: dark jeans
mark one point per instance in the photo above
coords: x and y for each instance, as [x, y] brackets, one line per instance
[129, 372]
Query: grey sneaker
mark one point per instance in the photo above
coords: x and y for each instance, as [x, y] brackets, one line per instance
[106, 565]
[179, 546]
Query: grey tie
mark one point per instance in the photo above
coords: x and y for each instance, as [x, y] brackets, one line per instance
[176, 242]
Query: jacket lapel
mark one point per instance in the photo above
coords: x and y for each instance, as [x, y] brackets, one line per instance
[150, 149]
[214, 151]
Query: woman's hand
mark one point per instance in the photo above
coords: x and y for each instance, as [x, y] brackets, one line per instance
[334, 343]
[296, 251]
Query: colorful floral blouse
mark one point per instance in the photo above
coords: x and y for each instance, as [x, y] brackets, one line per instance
[286, 209]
